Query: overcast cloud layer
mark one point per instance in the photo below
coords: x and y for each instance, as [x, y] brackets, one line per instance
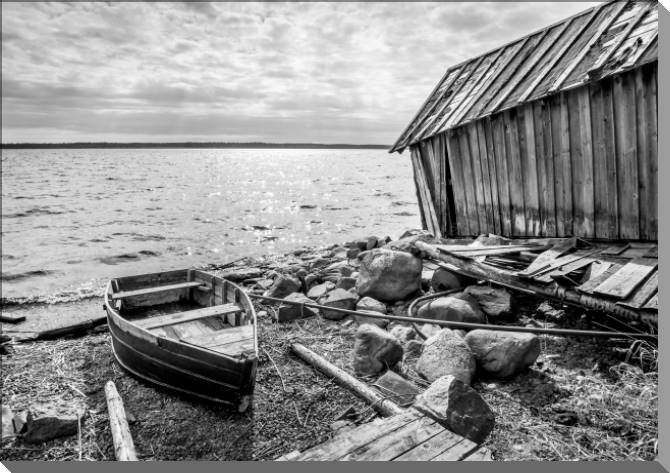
[314, 72]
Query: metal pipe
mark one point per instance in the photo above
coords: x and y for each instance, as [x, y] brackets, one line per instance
[467, 325]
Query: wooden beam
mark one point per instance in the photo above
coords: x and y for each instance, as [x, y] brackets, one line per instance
[594, 39]
[379, 403]
[156, 289]
[124, 449]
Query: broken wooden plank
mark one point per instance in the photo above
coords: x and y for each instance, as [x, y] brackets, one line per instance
[11, 318]
[556, 251]
[558, 264]
[621, 284]
[563, 274]
[642, 295]
[598, 279]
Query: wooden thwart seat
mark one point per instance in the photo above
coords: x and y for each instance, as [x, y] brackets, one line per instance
[156, 289]
[188, 316]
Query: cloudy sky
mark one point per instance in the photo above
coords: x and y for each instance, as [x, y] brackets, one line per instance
[280, 72]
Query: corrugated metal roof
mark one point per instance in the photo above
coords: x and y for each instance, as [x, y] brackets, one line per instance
[596, 43]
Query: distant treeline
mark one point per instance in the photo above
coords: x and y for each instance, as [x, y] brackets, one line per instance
[186, 145]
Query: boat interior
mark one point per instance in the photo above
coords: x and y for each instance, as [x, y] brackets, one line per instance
[189, 306]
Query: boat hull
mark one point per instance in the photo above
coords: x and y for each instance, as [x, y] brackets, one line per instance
[186, 369]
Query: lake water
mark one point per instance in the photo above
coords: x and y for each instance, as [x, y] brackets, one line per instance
[72, 219]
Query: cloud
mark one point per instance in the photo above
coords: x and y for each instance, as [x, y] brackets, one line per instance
[353, 72]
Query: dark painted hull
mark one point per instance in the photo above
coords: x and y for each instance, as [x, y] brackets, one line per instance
[187, 369]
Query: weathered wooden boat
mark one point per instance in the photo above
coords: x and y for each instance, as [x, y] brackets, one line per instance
[185, 330]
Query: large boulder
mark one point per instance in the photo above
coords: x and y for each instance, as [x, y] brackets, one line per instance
[503, 354]
[288, 312]
[340, 299]
[445, 353]
[49, 421]
[283, 286]
[375, 350]
[387, 275]
[458, 407]
[453, 309]
[320, 290]
[444, 280]
[494, 302]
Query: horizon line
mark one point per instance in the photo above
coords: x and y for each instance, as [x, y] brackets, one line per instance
[185, 144]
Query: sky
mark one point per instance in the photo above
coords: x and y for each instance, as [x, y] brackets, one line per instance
[272, 72]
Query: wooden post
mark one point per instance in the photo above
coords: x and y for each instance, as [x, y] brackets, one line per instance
[381, 405]
[124, 449]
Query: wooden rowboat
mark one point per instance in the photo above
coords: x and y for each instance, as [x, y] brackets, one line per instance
[185, 330]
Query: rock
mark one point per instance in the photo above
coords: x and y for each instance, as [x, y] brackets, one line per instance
[406, 242]
[453, 309]
[346, 283]
[283, 286]
[503, 354]
[341, 267]
[494, 302]
[445, 353]
[311, 280]
[413, 349]
[403, 333]
[458, 407]
[353, 253]
[46, 422]
[388, 275]
[419, 233]
[320, 290]
[264, 283]
[338, 298]
[288, 312]
[430, 329]
[371, 320]
[338, 253]
[397, 389]
[375, 350]
[319, 263]
[444, 280]
[426, 278]
[240, 274]
[361, 244]
[368, 303]
[371, 243]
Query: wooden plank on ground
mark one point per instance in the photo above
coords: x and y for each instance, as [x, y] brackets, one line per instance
[563, 272]
[596, 280]
[652, 304]
[11, 318]
[481, 455]
[458, 452]
[346, 442]
[187, 316]
[395, 444]
[621, 284]
[642, 295]
[559, 264]
[432, 447]
[556, 251]
[615, 249]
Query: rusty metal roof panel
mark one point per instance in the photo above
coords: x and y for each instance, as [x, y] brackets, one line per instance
[596, 43]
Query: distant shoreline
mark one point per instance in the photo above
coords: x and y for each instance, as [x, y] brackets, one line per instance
[252, 145]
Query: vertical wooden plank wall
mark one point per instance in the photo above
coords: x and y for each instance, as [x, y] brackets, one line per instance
[582, 162]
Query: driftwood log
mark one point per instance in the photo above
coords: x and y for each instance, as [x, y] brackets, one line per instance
[379, 403]
[124, 449]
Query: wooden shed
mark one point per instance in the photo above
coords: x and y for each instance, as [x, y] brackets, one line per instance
[552, 135]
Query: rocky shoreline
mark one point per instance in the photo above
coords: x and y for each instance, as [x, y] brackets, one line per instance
[529, 384]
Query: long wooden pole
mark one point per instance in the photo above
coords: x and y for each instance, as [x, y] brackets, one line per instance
[381, 405]
[124, 449]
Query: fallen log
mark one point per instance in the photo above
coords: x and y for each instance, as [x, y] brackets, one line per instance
[124, 449]
[362, 390]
